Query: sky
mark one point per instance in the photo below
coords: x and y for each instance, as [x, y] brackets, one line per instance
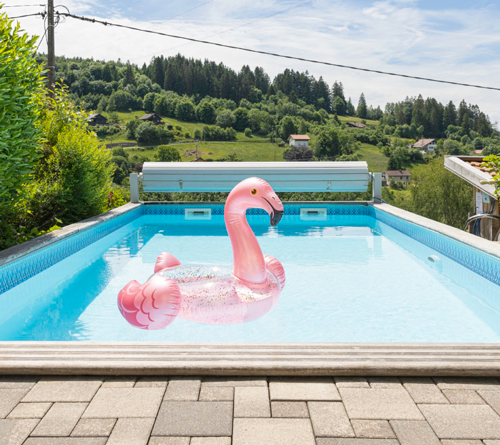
[453, 40]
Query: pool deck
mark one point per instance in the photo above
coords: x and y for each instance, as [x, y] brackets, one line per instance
[249, 411]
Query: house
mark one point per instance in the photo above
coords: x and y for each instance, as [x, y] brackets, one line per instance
[97, 119]
[393, 176]
[425, 145]
[356, 124]
[151, 117]
[299, 140]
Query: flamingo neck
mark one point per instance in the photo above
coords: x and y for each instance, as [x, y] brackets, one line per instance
[248, 259]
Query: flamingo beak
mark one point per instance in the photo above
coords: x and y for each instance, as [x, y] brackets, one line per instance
[275, 214]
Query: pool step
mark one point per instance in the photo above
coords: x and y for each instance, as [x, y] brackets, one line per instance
[291, 359]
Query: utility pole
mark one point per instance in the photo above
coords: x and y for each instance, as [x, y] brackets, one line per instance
[51, 56]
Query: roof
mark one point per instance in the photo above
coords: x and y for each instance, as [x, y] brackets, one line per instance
[93, 116]
[356, 124]
[471, 170]
[423, 142]
[149, 116]
[397, 173]
[299, 137]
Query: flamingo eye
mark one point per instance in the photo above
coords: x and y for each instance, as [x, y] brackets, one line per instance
[254, 191]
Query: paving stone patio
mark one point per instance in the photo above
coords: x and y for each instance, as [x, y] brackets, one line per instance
[248, 411]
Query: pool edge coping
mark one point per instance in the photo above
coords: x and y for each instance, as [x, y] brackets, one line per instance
[252, 359]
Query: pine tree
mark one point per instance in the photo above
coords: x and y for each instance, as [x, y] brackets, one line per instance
[362, 109]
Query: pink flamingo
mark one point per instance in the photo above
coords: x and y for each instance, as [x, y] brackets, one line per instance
[211, 294]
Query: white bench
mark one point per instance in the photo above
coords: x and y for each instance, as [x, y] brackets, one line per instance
[283, 176]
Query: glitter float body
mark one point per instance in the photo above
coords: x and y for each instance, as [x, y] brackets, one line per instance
[214, 295]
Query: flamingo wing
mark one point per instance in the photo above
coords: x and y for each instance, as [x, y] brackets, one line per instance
[166, 260]
[153, 305]
[276, 268]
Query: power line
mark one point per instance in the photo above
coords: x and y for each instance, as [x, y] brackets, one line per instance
[283, 56]
[19, 6]
[27, 15]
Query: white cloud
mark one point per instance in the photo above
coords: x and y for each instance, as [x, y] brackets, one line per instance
[392, 35]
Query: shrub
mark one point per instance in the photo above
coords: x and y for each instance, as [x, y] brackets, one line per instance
[145, 133]
[298, 154]
[248, 132]
[197, 134]
[215, 133]
[167, 154]
[225, 119]
[21, 90]
[106, 131]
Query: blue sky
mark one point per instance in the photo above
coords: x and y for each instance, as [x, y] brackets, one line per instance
[456, 40]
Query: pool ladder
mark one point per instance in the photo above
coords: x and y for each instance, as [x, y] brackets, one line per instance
[488, 234]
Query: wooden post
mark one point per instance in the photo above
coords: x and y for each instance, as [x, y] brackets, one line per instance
[51, 57]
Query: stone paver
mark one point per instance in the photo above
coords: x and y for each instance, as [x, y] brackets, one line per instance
[30, 410]
[357, 442]
[60, 419]
[463, 421]
[385, 403]
[330, 419]
[66, 441]
[351, 382]
[63, 391]
[289, 409]
[125, 402]
[464, 396]
[251, 402]
[210, 441]
[166, 410]
[303, 389]
[374, 429]
[273, 432]
[217, 393]
[169, 441]
[131, 431]
[9, 398]
[423, 390]
[94, 427]
[15, 431]
[194, 419]
[467, 383]
[492, 398]
[183, 390]
[414, 432]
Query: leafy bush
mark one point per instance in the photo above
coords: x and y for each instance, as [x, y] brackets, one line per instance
[298, 154]
[20, 104]
[215, 133]
[197, 134]
[225, 119]
[248, 132]
[167, 154]
[106, 131]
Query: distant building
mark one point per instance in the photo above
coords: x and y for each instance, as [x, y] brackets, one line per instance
[425, 145]
[97, 119]
[299, 140]
[356, 124]
[391, 176]
[151, 117]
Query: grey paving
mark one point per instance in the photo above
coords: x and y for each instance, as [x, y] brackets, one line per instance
[165, 410]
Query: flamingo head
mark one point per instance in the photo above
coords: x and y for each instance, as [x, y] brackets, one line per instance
[255, 193]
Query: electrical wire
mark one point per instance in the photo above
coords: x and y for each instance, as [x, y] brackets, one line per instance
[26, 15]
[243, 25]
[283, 56]
[19, 6]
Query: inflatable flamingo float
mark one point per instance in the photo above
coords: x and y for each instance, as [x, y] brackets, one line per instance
[211, 294]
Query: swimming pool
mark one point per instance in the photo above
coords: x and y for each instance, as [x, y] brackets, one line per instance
[355, 273]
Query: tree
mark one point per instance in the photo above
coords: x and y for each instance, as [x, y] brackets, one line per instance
[440, 195]
[205, 112]
[225, 118]
[185, 110]
[287, 127]
[167, 154]
[362, 109]
[339, 106]
[149, 102]
[21, 90]
[241, 115]
[145, 133]
[327, 144]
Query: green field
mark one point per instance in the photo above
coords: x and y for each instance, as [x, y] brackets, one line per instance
[344, 119]
[245, 151]
[377, 161]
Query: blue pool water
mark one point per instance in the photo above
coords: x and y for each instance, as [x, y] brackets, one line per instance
[351, 278]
